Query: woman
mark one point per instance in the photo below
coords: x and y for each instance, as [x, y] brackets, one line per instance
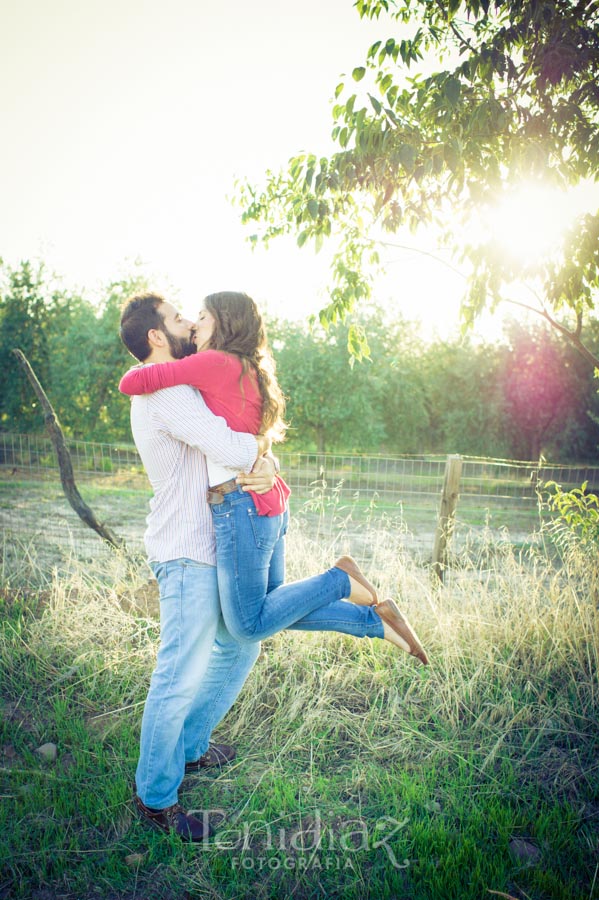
[234, 370]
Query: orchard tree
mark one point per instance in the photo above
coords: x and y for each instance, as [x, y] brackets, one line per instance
[74, 349]
[464, 103]
[398, 352]
[467, 411]
[108, 407]
[87, 359]
[329, 403]
[24, 323]
[548, 399]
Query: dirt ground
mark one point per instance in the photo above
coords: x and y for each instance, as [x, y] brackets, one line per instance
[40, 530]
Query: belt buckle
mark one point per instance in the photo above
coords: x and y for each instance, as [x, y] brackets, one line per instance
[215, 497]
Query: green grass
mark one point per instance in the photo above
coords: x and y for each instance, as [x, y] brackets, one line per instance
[359, 774]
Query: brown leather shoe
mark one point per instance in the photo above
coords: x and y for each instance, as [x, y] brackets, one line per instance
[389, 613]
[351, 568]
[174, 818]
[215, 755]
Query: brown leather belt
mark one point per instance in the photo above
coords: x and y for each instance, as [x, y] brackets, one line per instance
[217, 493]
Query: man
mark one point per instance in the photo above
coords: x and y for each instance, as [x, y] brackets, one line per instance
[200, 668]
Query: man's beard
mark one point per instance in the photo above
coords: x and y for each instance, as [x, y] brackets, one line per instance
[180, 347]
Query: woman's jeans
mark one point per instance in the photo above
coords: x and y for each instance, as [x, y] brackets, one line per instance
[250, 552]
[199, 672]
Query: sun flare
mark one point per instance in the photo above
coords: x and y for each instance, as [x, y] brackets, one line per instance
[530, 222]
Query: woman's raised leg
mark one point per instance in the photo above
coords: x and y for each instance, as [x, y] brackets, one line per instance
[250, 566]
[257, 604]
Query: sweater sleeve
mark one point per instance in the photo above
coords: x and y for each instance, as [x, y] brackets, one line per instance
[197, 370]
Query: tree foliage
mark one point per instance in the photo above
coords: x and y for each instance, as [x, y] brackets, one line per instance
[410, 397]
[577, 516]
[551, 403]
[539, 389]
[513, 97]
[329, 403]
[443, 397]
[25, 321]
[465, 398]
[74, 349]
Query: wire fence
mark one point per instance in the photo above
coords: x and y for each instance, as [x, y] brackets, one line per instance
[328, 490]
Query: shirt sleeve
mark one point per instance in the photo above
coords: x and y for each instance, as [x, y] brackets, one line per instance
[200, 370]
[182, 413]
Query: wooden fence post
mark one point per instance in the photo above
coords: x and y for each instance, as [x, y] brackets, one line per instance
[445, 523]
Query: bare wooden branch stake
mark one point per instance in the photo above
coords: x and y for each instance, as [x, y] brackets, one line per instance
[64, 459]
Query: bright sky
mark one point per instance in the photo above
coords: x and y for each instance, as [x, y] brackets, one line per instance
[125, 123]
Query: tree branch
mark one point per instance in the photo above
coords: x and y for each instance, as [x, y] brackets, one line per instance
[456, 31]
[572, 336]
[424, 253]
[65, 465]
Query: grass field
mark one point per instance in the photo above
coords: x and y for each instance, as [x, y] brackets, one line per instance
[359, 774]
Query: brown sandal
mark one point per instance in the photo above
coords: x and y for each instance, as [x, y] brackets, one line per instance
[351, 568]
[389, 613]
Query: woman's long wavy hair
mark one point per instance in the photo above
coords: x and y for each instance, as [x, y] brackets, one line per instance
[239, 329]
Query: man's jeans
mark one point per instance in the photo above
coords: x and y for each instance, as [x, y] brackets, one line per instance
[250, 551]
[199, 672]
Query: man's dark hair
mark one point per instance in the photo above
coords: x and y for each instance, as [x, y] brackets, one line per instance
[140, 314]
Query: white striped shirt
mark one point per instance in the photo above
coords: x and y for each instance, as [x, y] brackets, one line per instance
[174, 430]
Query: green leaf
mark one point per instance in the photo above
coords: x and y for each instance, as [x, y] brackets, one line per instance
[451, 89]
[376, 104]
[407, 157]
[313, 208]
[295, 166]
[385, 83]
[358, 73]
[339, 89]
[373, 50]
[451, 157]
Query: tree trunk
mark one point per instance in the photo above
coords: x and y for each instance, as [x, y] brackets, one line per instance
[64, 459]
